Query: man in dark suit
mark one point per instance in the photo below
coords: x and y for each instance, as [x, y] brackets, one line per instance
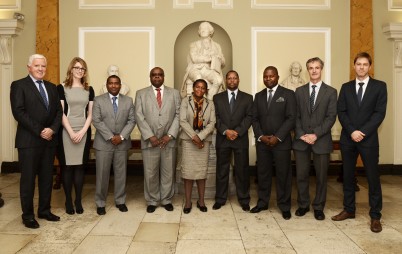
[36, 107]
[361, 109]
[233, 109]
[316, 114]
[113, 118]
[157, 109]
[274, 116]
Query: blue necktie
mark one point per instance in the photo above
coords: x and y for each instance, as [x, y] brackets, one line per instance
[43, 93]
[114, 105]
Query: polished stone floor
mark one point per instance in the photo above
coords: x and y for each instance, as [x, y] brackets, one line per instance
[228, 230]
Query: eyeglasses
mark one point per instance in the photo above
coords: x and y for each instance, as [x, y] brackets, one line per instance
[79, 69]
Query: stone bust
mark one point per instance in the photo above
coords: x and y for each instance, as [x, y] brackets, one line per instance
[114, 70]
[294, 80]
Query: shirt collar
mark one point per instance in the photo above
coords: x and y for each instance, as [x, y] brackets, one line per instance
[162, 87]
[111, 96]
[365, 81]
[230, 92]
[273, 88]
[318, 84]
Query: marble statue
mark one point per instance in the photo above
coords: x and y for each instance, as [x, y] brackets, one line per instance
[294, 80]
[204, 61]
[114, 70]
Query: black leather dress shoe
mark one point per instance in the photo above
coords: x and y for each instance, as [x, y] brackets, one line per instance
[168, 207]
[101, 210]
[78, 208]
[187, 210]
[70, 211]
[122, 208]
[245, 208]
[257, 209]
[217, 206]
[319, 215]
[203, 208]
[49, 217]
[302, 211]
[32, 223]
[151, 208]
[286, 215]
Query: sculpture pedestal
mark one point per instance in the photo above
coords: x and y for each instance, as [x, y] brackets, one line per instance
[210, 185]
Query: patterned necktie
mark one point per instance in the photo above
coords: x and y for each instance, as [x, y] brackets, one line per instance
[270, 97]
[159, 97]
[114, 104]
[232, 102]
[43, 93]
[312, 98]
[360, 93]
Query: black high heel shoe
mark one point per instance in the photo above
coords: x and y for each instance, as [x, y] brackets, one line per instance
[78, 208]
[69, 209]
[187, 210]
[203, 209]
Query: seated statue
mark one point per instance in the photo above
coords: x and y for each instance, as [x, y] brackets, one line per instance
[294, 80]
[204, 61]
[114, 70]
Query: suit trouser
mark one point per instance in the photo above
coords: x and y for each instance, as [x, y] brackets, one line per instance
[159, 174]
[321, 164]
[36, 160]
[369, 157]
[241, 171]
[265, 167]
[104, 161]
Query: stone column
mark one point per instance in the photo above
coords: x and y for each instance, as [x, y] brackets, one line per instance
[393, 31]
[9, 28]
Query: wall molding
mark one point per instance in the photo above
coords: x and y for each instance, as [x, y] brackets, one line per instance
[393, 6]
[83, 4]
[16, 6]
[326, 5]
[216, 4]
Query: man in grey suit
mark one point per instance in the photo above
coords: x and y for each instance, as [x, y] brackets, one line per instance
[274, 117]
[113, 118]
[157, 109]
[316, 114]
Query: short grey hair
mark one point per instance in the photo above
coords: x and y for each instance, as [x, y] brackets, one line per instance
[35, 56]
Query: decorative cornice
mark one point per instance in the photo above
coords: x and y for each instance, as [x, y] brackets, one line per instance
[393, 31]
[11, 26]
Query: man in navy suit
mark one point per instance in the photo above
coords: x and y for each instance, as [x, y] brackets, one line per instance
[274, 117]
[37, 109]
[233, 109]
[361, 109]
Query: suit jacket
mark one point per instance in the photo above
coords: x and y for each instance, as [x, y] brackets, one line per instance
[187, 110]
[319, 122]
[239, 120]
[108, 124]
[155, 121]
[367, 117]
[30, 112]
[278, 120]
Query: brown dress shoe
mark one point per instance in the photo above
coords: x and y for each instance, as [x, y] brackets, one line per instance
[375, 226]
[343, 216]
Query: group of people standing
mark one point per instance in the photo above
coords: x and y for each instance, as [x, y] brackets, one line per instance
[51, 117]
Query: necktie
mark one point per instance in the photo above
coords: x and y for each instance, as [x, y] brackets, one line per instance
[312, 98]
[114, 104]
[270, 97]
[232, 102]
[159, 97]
[43, 93]
[360, 93]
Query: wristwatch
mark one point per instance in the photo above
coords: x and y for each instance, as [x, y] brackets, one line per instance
[170, 136]
[121, 136]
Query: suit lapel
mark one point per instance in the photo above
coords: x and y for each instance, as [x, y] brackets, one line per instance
[225, 101]
[320, 95]
[165, 96]
[367, 92]
[32, 86]
[152, 98]
[306, 96]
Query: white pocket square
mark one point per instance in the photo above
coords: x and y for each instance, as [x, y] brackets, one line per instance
[280, 99]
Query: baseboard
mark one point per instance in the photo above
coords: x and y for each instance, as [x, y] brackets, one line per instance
[135, 167]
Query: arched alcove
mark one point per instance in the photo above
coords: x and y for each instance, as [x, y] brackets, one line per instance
[188, 35]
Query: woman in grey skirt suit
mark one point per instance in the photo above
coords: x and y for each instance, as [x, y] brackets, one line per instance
[197, 122]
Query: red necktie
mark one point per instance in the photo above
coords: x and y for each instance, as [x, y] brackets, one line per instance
[159, 97]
